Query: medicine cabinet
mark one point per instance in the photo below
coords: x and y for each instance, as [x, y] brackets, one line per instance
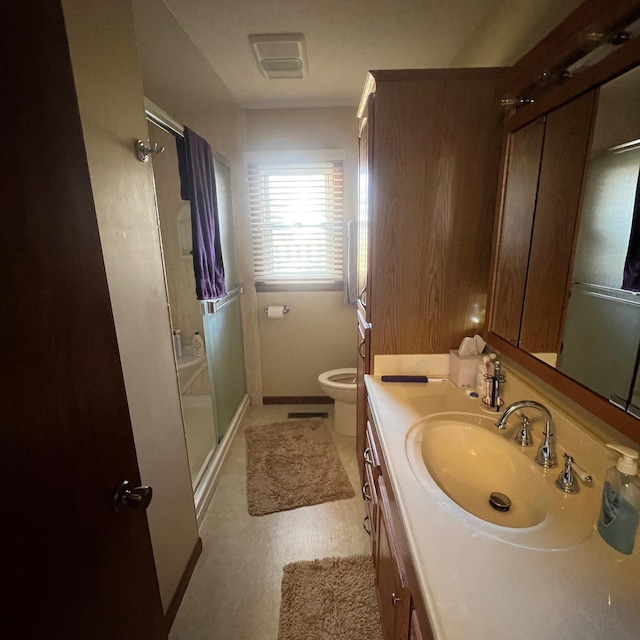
[564, 303]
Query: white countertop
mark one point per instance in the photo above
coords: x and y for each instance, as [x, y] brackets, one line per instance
[478, 587]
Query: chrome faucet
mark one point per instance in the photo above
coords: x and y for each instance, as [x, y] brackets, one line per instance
[546, 456]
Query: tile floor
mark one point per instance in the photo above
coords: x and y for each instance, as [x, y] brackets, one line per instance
[234, 593]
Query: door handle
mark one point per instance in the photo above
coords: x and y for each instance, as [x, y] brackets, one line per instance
[133, 497]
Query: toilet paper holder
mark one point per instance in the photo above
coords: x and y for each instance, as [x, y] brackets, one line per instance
[285, 308]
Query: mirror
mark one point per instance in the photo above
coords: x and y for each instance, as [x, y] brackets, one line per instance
[567, 286]
[601, 332]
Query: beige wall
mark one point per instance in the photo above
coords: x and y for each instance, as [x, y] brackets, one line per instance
[319, 333]
[507, 33]
[103, 54]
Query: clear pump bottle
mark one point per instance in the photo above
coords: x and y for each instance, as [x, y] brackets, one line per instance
[618, 521]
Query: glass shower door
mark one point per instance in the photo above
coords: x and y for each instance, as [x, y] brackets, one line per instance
[223, 321]
[225, 354]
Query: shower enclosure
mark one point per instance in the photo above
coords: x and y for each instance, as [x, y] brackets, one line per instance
[212, 387]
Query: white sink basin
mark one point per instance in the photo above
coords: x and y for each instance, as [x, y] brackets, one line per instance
[465, 459]
[469, 463]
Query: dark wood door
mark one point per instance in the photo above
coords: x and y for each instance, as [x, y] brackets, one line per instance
[71, 566]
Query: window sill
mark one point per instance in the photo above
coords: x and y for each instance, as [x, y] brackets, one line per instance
[263, 287]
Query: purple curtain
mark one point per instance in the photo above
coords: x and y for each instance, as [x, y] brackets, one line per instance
[631, 276]
[199, 187]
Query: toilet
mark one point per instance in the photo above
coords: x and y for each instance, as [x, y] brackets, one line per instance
[340, 384]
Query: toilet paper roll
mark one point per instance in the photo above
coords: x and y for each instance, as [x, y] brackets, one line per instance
[275, 312]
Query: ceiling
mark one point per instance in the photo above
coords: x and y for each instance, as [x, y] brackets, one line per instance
[201, 46]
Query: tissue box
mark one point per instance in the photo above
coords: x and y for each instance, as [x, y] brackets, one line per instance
[462, 370]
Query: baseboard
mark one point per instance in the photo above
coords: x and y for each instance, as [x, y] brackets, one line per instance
[209, 480]
[174, 605]
[297, 400]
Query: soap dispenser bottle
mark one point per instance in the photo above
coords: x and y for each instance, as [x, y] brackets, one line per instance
[197, 345]
[618, 521]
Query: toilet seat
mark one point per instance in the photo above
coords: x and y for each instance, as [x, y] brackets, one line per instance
[344, 379]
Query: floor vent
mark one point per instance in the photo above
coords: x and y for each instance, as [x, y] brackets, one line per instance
[308, 414]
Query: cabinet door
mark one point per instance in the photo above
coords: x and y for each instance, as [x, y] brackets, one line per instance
[364, 204]
[415, 632]
[436, 147]
[519, 205]
[391, 582]
[564, 158]
[363, 367]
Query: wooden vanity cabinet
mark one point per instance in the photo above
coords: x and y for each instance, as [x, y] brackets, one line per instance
[429, 153]
[428, 170]
[402, 612]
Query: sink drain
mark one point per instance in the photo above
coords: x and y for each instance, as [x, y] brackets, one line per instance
[499, 501]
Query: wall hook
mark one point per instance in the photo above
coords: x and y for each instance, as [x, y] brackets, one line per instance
[143, 152]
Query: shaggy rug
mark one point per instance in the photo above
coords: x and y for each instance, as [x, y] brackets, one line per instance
[293, 464]
[330, 599]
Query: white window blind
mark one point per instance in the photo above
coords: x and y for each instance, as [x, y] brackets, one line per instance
[296, 221]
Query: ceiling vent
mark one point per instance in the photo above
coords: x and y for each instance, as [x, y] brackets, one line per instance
[280, 55]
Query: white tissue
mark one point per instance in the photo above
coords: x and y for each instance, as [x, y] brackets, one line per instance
[275, 312]
[471, 346]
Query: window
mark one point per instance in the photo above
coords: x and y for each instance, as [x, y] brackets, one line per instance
[296, 223]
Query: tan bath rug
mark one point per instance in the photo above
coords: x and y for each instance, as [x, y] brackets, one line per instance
[330, 599]
[293, 464]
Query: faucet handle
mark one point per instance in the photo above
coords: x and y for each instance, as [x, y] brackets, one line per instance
[583, 474]
[567, 481]
[523, 437]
